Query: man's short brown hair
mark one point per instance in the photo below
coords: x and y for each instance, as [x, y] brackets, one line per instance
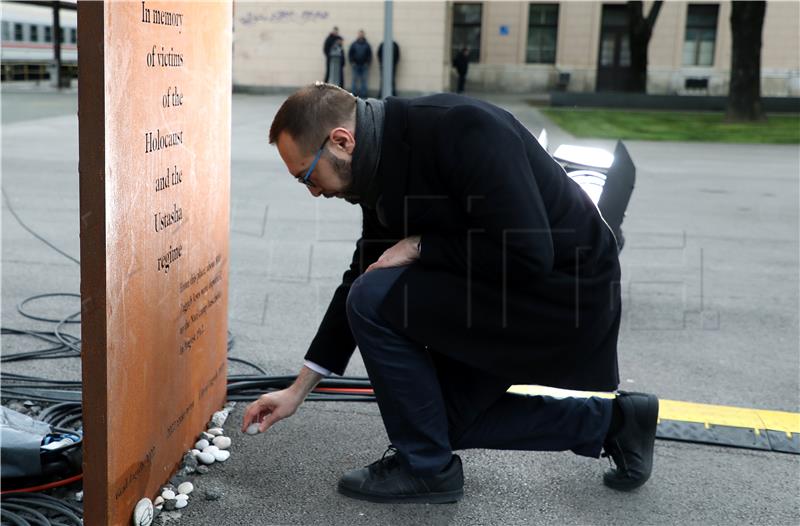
[310, 113]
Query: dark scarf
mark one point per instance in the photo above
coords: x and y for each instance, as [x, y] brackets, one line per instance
[367, 153]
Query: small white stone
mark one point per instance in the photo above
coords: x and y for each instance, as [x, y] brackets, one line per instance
[201, 444]
[195, 452]
[211, 449]
[167, 494]
[79, 496]
[252, 429]
[206, 458]
[222, 442]
[158, 501]
[222, 455]
[181, 496]
[184, 488]
[216, 431]
[181, 503]
[143, 513]
[207, 436]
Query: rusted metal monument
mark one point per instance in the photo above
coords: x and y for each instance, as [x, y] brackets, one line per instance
[154, 127]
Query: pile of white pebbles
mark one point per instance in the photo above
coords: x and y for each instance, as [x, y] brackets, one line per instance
[212, 446]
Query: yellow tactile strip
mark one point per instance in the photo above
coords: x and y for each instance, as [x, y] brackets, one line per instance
[707, 414]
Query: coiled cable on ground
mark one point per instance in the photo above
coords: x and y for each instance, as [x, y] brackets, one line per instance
[32, 509]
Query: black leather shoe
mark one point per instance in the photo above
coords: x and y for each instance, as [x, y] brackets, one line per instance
[388, 480]
[632, 447]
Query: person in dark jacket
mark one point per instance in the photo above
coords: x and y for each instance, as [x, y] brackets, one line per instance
[481, 264]
[395, 60]
[360, 56]
[332, 37]
[335, 73]
[461, 63]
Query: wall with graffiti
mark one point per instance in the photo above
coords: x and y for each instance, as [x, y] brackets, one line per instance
[278, 45]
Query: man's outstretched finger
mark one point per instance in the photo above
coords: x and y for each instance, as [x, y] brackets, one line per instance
[267, 422]
[250, 415]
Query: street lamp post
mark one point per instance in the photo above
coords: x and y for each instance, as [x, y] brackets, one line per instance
[388, 51]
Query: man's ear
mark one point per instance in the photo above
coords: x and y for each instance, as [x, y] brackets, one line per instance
[343, 140]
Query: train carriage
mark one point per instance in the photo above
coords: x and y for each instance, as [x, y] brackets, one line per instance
[27, 42]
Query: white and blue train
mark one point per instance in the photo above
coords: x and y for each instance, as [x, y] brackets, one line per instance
[27, 41]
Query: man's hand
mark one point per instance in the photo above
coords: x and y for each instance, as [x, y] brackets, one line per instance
[403, 252]
[270, 408]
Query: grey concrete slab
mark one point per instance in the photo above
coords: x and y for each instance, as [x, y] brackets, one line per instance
[289, 474]
[710, 292]
[49, 102]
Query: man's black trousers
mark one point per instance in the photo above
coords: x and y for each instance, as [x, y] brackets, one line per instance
[432, 405]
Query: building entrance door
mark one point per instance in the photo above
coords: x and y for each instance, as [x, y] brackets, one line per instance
[614, 62]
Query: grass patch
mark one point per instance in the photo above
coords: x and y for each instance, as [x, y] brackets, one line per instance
[674, 126]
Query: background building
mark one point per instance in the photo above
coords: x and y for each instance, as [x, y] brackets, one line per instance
[515, 46]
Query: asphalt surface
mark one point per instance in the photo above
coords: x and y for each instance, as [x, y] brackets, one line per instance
[710, 291]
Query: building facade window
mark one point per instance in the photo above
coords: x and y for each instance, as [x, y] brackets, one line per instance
[6, 30]
[48, 34]
[34, 33]
[73, 35]
[701, 34]
[467, 29]
[542, 33]
[19, 34]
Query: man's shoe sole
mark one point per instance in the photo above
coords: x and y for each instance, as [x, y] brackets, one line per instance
[444, 497]
[648, 420]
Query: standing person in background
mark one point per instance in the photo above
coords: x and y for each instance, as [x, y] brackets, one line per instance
[326, 50]
[395, 60]
[335, 71]
[461, 63]
[360, 56]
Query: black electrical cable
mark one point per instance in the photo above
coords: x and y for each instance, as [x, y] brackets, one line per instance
[34, 234]
[33, 504]
[15, 519]
[21, 306]
[28, 510]
[249, 364]
[60, 351]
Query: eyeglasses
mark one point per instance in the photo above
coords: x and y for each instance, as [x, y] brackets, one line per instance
[306, 178]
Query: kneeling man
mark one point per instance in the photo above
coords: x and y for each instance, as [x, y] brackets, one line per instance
[480, 265]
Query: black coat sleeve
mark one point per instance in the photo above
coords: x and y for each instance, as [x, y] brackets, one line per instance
[484, 166]
[333, 344]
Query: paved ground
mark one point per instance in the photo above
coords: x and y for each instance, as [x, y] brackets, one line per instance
[710, 287]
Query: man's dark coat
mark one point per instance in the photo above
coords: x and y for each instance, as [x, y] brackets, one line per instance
[518, 274]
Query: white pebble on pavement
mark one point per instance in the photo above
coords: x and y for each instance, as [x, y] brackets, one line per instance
[222, 442]
[206, 458]
[184, 488]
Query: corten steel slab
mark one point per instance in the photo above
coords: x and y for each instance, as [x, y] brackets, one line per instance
[154, 125]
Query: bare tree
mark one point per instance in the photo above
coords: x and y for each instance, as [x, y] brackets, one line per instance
[744, 94]
[640, 29]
